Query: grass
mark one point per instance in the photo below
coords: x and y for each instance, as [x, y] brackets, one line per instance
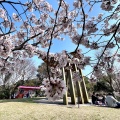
[26, 109]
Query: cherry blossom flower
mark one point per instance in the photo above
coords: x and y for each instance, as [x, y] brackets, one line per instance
[16, 17]
[106, 5]
[37, 2]
[111, 45]
[3, 14]
[77, 4]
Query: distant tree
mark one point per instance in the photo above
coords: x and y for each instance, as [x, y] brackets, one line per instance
[102, 86]
[89, 85]
[23, 70]
[32, 82]
[5, 78]
[108, 71]
[42, 72]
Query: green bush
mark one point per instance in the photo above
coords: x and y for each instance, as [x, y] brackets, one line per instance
[4, 93]
[103, 86]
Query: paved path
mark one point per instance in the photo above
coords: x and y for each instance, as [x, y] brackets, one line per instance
[58, 102]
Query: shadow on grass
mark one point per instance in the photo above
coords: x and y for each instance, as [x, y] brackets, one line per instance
[45, 101]
[28, 100]
[105, 106]
[58, 102]
[41, 100]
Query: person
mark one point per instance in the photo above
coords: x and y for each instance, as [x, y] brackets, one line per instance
[98, 100]
[103, 99]
[94, 98]
[27, 95]
[111, 101]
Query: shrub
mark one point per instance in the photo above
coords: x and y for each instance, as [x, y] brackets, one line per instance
[4, 93]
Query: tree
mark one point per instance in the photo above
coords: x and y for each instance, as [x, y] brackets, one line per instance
[109, 75]
[89, 85]
[42, 72]
[102, 86]
[23, 70]
[40, 23]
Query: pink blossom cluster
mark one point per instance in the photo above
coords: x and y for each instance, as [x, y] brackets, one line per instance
[77, 77]
[55, 88]
[91, 27]
[105, 66]
[5, 46]
[107, 5]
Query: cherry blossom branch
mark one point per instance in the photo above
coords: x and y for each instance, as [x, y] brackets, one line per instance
[11, 2]
[107, 44]
[52, 38]
[83, 28]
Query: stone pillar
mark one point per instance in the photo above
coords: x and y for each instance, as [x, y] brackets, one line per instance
[72, 89]
[65, 100]
[79, 90]
[84, 90]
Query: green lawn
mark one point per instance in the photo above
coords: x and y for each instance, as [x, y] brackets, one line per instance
[25, 109]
